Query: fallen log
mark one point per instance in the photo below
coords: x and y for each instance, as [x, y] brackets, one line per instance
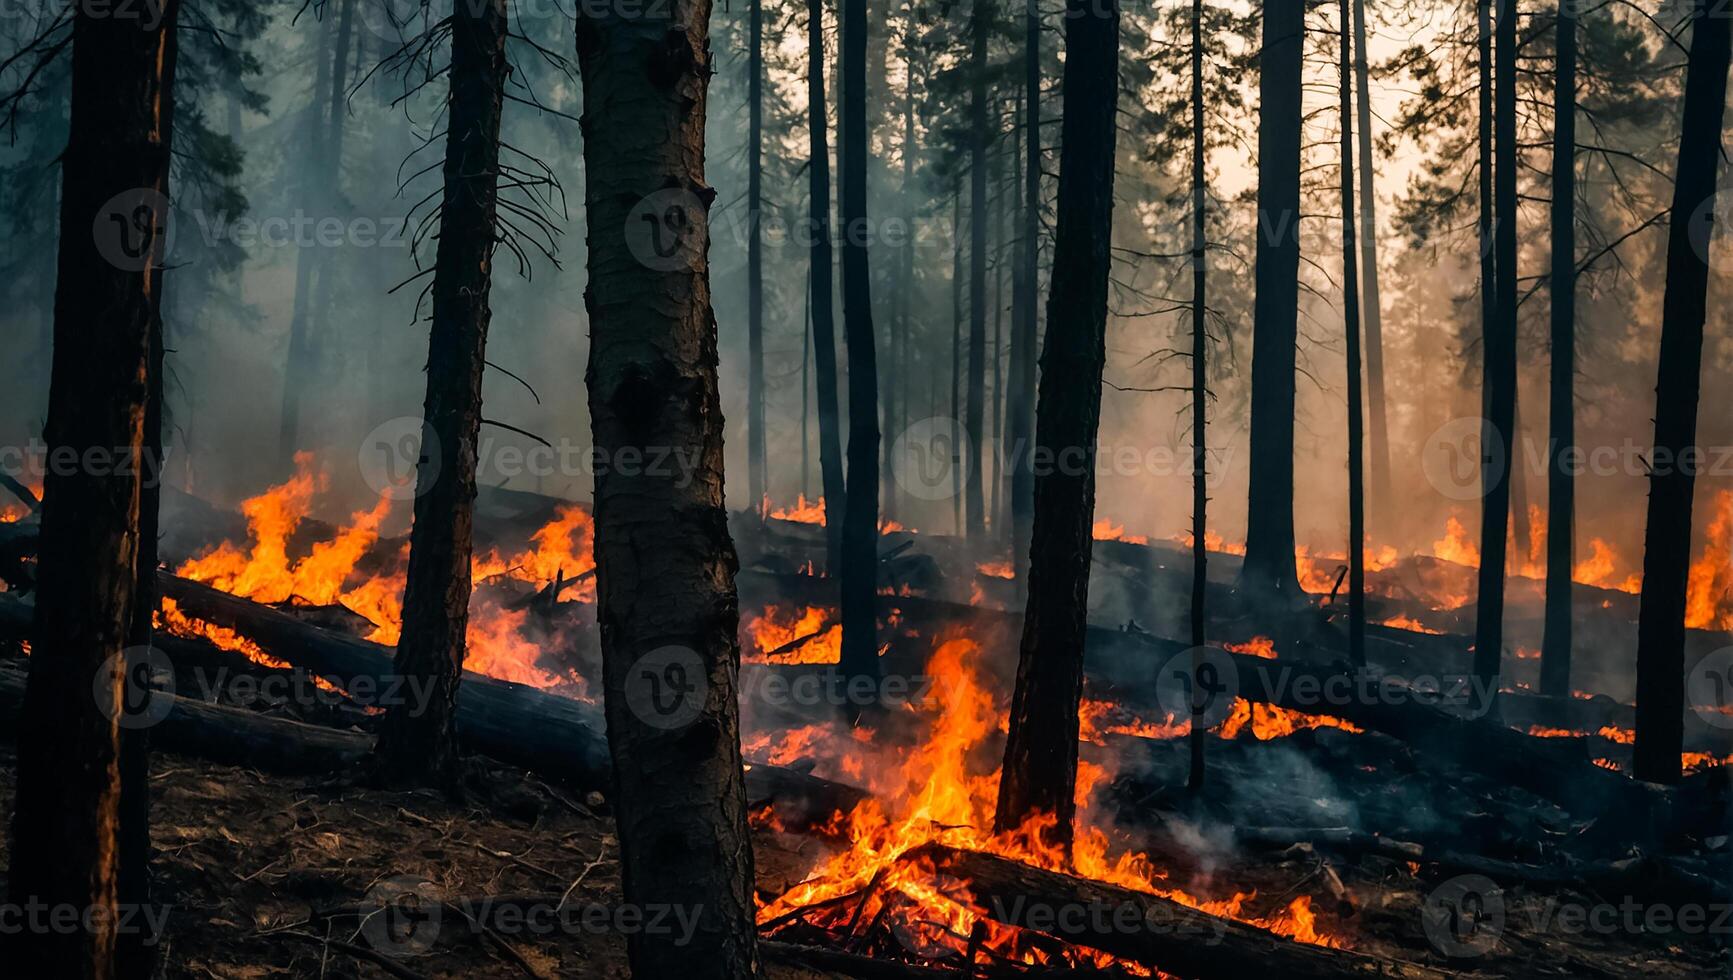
[233, 736]
[1162, 934]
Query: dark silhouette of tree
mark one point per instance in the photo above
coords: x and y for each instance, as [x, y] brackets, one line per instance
[822, 305]
[859, 578]
[1199, 391]
[1020, 403]
[1499, 365]
[756, 466]
[1672, 482]
[1351, 330]
[418, 741]
[1269, 569]
[980, 23]
[1040, 768]
[65, 847]
[1555, 657]
[1371, 308]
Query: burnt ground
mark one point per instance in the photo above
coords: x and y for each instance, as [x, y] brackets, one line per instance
[252, 867]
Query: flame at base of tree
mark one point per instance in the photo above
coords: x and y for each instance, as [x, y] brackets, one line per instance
[940, 792]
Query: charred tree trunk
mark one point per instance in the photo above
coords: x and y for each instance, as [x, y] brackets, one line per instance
[1351, 329]
[996, 405]
[135, 959]
[860, 519]
[755, 462]
[1555, 655]
[1667, 540]
[956, 467]
[65, 844]
[1199, 389]
[666, 602]
[980, 14]
[417, 742]
[1040, 769]
[823, 308]
[1021, 403]
[1269, 570]
[1499, 363]
[1371, 306]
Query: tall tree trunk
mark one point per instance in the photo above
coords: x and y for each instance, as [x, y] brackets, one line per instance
[299, 353]
[956, 470]
[665, 597]
[1351, 329]
[980, 15]
[1555, 654]
[1040, 770]
[418, 742]
[755, 461]
[860, 520]
[1199, 389]
[1021, 408]
[1667, 540]
[823, 307]
[1268, 570]
[135, 952]
[65, 844]
[1499, 361]
[905, 337]
[1371, 308]
[996, 407]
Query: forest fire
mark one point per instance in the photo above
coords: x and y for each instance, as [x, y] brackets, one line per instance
[931, 794]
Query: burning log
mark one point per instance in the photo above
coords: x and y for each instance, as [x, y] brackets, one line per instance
[1169, 936]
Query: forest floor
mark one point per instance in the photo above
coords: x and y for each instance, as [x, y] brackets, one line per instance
[244, 863]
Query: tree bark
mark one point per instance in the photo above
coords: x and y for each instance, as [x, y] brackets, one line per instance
[1667, 539]
[755, 460]
[1199, 388]
[1371, 306]
[1021, 404]
[860, 519]
[1499, 365]
[415, 745]
[1040, 769]
[1351, 330]
[1268, 570]
[958, 515]
[65, 821]
[823, 307]
[666, 604]
[980, 17]
[1555, 655]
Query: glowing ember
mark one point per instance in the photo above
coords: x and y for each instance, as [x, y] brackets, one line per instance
[803, 511]
[1100, 718]
[1257, 646]
[1411, 624]
[996, 569]
[791, 635]
[1106, 530]
[1267, 721]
